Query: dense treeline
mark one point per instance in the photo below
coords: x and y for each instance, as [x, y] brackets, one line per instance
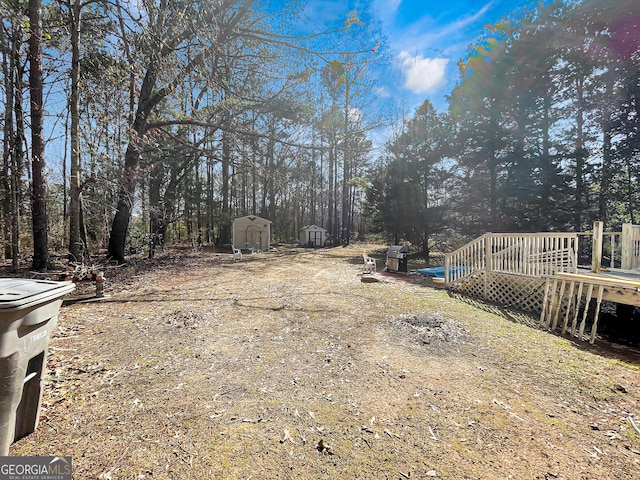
[542, 132]
[174, 117]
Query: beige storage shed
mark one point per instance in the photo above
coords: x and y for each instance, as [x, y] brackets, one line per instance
[252, 233]
[313, 236]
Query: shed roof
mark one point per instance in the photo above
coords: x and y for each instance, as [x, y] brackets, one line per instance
[252, 218]
[313, 227]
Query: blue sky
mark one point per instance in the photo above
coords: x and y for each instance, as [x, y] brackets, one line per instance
[425, 39]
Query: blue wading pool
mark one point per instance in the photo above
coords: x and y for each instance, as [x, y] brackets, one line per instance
[438, 272]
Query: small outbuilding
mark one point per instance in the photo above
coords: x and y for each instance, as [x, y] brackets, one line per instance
[252, 233]
[313, 236]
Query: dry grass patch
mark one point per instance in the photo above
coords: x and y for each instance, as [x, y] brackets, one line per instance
[286, 366]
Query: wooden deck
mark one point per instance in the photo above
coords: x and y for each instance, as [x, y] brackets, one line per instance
[565, 292]
[539, 272]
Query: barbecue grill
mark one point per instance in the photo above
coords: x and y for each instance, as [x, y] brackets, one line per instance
[397, 258]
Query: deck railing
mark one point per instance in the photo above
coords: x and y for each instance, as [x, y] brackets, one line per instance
[532, 254]
[630, 247]
[467, 260]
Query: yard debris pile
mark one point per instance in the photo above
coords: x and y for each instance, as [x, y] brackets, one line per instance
[433, 329]
[182, 318]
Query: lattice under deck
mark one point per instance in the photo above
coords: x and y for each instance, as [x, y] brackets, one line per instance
[521, 292]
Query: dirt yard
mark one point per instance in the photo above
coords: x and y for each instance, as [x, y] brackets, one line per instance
[286, 365]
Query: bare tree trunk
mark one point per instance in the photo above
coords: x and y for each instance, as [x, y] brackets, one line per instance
[579, 155]
[607, 150]
[548, 166]
[157, 214]
[8, 138]
[198, 201]
[336, 211]
[83, 230]
[346, 227]
[17, 154]
[321, 178]
[128, 180]
[211, 237]
[493, 170]
[330, 196]
[225, 226]
[630, 189]
[254, 177]
[41, 260]
[76, 250]
[271, 173]
[312, 189]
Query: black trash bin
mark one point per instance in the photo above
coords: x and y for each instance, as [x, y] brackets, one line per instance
[28, 314]
[397, 258]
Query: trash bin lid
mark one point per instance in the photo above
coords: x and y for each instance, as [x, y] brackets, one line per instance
[18, 292]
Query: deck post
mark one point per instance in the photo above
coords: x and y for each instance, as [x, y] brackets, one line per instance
[447, 266]
[596, 249]
[627, 246]
[488, 262]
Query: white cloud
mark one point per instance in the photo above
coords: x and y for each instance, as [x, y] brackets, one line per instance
[382, 91]
[422, 75]
[427, 44]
